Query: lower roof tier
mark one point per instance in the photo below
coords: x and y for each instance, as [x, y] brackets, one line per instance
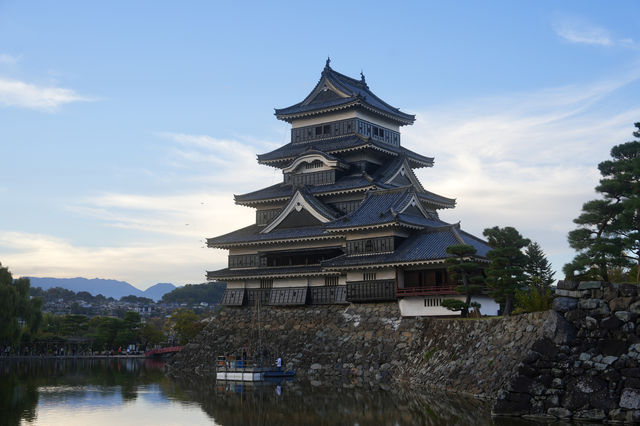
[425, 247]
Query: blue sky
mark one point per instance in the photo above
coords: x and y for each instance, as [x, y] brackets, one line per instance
[126, 128]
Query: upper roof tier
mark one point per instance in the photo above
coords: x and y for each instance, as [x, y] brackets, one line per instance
[283, 156]
[337, 92]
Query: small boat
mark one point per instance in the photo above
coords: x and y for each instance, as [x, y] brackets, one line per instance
[245, 370]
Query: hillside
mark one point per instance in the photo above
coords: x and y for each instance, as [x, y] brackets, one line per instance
[108, 288]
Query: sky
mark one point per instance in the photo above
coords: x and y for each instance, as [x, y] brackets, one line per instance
[126, 127]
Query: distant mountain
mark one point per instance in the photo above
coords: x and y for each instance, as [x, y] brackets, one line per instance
[156, 291]
[108, 288]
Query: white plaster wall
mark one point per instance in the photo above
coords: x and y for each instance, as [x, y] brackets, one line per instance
[414, 307]
[235, 284]
[488, 306]
[381, 274]
[322, 119]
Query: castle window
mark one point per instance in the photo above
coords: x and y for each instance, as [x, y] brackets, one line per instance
[266, 283]
[326, 129]
[330, 281]
[369, 276]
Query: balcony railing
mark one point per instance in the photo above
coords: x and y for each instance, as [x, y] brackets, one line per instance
[431, 290]
[371, 291]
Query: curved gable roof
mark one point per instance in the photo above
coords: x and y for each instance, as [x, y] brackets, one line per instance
[336, 91]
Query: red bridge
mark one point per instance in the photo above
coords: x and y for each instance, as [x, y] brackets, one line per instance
[163, 351]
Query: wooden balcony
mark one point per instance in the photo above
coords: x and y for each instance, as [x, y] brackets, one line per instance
[430, 290]
[328, 295]
[371, 291]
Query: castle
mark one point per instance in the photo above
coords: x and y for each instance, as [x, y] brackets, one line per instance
[350, 222]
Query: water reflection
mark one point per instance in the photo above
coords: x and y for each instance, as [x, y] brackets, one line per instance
[132, 391]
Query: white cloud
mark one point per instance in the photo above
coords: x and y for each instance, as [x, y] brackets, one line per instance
[139, 264]
[526, 160]
[14, 93]
[580, 31]
[8, 59]
[575, 30]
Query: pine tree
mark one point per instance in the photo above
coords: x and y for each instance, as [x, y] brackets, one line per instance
[505, 273]
[465, 270]
[538, 266]
[609, 229]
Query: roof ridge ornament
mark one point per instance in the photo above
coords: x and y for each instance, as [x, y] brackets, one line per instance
[327, 65]
[363, 80]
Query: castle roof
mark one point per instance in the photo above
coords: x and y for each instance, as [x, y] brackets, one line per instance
[338, 92]
[427, 246]
[281, 157]
[396, 206]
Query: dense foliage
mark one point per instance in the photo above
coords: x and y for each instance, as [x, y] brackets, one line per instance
[608, 233]
[467, 272]
[506, 271]
[19, 314]
[210, 293]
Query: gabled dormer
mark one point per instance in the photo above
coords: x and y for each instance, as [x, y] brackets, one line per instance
[303, 210]
[314, 168]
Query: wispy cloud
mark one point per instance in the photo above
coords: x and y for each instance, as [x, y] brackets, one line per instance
[575, 30]
[139, 264]
[15, 93]
[525, 160]
[8, 59]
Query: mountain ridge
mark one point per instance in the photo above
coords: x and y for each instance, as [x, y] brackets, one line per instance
[106, 287]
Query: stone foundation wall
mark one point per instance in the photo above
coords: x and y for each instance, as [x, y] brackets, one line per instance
[579, 361]
[589, 369]
[371, 343]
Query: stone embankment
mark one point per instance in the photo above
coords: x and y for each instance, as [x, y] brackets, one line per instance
[371, 343]
[590, 368]
[578, 361]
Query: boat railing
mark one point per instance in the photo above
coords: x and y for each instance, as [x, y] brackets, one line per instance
[227, 363]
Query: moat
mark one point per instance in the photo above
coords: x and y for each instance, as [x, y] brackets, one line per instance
[136, 391]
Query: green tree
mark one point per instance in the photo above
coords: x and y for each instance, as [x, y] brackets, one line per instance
[151, 332]
[185, 324]
[505, 273]
[16, 307]
[538, 266]
[608, 235]
[466, 271]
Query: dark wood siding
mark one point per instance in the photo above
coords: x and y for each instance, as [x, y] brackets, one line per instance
[288, 296]
[323, 131]
[370, 245]
[371, 291]
[233, 297]
[243, 260]
[263, 217]
[328, 295]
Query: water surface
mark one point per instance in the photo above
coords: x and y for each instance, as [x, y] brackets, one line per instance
[134, 392]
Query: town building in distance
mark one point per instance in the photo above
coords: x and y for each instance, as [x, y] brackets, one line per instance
[350, 222]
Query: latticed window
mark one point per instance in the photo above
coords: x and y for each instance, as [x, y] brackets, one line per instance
[369, 276]
[266, 283]
[330, 280]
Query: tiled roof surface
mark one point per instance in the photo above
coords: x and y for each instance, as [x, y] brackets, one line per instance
[382, 207]
[232, 273]
[358, 93]
[334, 145]
[423, 246]
[252, 234]
[286, 190]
